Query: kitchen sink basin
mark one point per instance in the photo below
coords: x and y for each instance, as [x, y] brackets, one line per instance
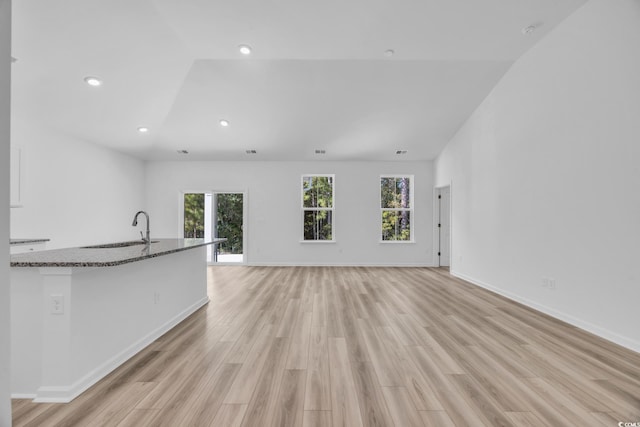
[118, 245]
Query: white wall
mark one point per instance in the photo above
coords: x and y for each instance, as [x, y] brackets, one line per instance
[5, 106]
[546, 176]
[75, 193]
[275, 221]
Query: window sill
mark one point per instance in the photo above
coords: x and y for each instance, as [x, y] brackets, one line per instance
[397, 241]
[317, 241]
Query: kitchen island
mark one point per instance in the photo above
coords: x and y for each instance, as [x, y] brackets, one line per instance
[79, 313]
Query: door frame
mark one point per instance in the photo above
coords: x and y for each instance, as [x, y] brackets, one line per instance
[436, 229]
[245, 217]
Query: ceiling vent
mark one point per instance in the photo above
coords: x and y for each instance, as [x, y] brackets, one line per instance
[530, 29]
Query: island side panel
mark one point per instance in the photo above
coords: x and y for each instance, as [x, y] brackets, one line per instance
[113, 313]
[26, 332]
[117, 311]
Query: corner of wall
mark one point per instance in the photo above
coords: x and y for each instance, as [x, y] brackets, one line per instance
[5, 113]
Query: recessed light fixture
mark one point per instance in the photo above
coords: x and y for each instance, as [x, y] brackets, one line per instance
[224, 123]
[143, 129]
[530, 29]
[245, 49]
[401, 152]
[321, 151]
[251, 152]
[183, 152]
[93, 81]
[389, 53]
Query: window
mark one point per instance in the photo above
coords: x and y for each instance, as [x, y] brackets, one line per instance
[396, 208]
[194, 215]
[317, 207]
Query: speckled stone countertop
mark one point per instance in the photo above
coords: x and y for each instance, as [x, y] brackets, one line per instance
[107, 257]
[26, 241]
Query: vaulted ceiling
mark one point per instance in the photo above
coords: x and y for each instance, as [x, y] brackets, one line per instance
[321, 74]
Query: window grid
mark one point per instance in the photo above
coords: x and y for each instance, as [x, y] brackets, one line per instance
[318, 209]
[396, 209]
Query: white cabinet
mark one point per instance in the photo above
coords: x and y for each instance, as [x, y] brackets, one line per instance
[17, 185]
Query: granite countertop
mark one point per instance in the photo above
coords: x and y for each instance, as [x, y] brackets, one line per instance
[26, 241]
[107, 257]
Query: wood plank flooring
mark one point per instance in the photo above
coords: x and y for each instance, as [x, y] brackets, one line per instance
[353, 346]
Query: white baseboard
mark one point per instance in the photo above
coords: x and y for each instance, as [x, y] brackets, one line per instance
[67, 394]
[23, 396]
[606, 334]
[333, 264]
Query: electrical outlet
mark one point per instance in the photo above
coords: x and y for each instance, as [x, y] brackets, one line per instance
[552, 284]
[545, 282]
[57, 304]
[156, 297]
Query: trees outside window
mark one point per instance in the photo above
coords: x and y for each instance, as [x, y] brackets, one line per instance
[317, 207]
[229, 218]
[194, 215]
[396, 207]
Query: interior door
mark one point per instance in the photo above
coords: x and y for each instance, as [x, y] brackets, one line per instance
[444, 226]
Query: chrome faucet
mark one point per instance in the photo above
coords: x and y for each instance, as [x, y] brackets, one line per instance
[147, 240]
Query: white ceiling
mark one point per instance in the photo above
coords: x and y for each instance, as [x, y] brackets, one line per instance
[318, 77]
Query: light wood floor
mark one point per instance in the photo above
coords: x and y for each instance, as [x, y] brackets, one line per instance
[359, 346]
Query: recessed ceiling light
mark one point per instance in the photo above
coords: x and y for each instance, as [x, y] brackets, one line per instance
[530, 29]
[224, 123]
[143, 129]
[389, 53]
[93, 81]
[401, 151]
[321, 151]
[183, 152]
[251, 152]
[245, 49]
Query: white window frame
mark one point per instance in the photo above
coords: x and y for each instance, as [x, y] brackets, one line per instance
[332, 209]
[411, 208]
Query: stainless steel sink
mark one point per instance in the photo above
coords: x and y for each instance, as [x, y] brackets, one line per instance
[117, 245]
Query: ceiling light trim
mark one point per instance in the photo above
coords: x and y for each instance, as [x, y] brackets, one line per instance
[93, 81]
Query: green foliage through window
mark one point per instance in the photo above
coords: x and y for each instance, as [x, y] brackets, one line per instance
[317, 204]
[396, 203]
[229, 216]
[194, 215]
